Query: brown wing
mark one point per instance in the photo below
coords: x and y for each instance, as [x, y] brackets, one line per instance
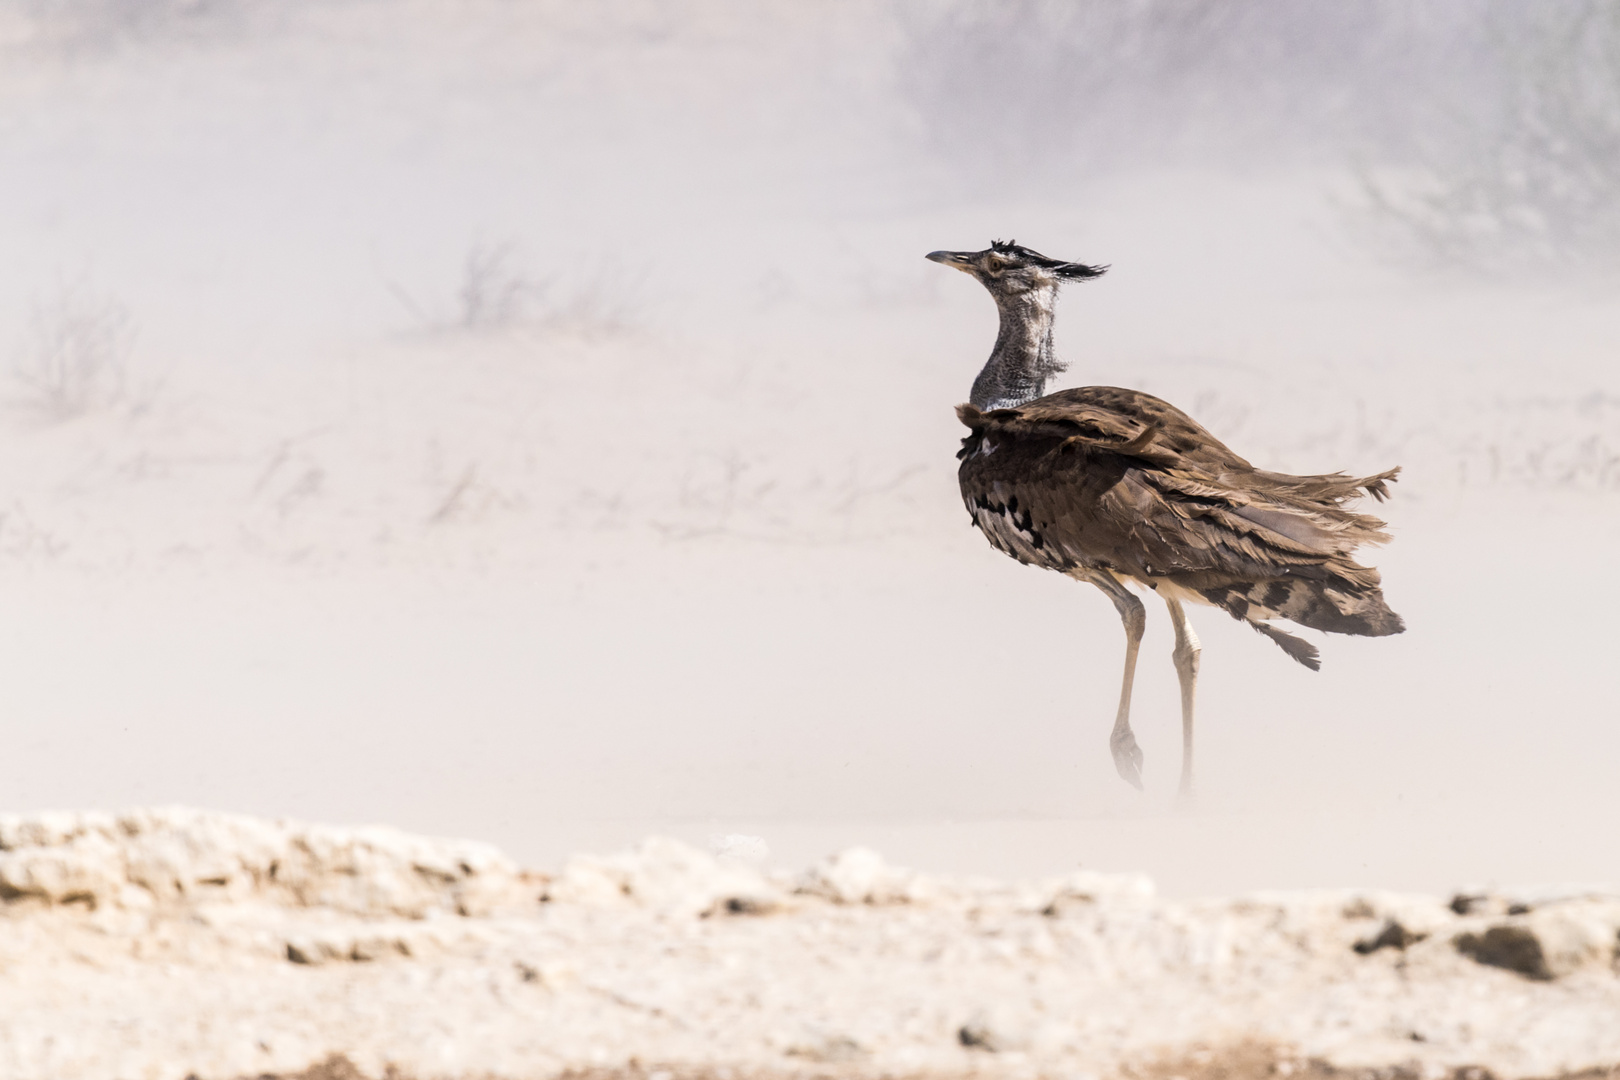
[1108, 417]
[1116, 479]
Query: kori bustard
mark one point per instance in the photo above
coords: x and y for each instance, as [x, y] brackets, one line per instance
[1114, 486]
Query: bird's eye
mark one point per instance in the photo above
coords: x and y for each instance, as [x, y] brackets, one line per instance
[994, 265]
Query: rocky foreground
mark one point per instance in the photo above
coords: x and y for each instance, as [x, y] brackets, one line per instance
[171, 943]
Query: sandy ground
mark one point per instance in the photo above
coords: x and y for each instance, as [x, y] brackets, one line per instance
[1236, 1063]
[159, 944]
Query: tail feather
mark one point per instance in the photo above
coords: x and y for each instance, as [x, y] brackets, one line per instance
[1298, 515]
[1298, 648]
[1332, 489]
[1378, 486]
[1306, 515]
[1337, 605]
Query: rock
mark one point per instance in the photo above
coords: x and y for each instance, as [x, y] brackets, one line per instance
[996, 1031]
[1548, 943]
[827, 1049]
[91, 871]
[315, 951]
[349, 947]
[1393, 935]
[590, 881]
[549, 975]
[746, 905]
[1481, 903]
[51, 828]
[666, 876]
[859, 875]
[1522, 901]
[1404, 920]
[181, 856]
[366, 947]
[1086, 888]
[383, 871]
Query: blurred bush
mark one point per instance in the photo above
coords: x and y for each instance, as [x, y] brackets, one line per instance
[1479, 132]
[1522, 165]
[77, 356]
[1065, 84]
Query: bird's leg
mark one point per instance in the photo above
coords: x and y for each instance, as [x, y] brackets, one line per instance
[1127, 755]
[1185, 655]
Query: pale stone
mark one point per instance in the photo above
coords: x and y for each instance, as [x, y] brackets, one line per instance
[859, 875]
[1404, 920]
[177, 855]
[1086, 887]
[997, 1030]
[666, 876]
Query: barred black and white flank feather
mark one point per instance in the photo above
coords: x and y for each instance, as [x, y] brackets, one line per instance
[1112, 486]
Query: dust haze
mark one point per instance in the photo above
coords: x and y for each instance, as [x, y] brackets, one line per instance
[533, 421]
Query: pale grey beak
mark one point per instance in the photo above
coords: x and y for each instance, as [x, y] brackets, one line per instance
[961, 260]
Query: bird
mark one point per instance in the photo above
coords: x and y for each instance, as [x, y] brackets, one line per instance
[1115, 488]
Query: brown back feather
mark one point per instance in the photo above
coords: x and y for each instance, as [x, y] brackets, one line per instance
[1101, 476]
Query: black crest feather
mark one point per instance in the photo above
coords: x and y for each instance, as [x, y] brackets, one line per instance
[1070, 271]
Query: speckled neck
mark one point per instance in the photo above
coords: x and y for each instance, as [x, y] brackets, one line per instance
[1023, 359]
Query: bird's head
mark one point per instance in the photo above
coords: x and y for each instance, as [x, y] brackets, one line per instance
[1007, 269]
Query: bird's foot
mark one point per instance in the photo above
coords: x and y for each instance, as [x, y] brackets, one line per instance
[1127, 756]
[1186, 800]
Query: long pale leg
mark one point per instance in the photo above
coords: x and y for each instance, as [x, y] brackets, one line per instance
[1122, 741]
[1185, 655]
